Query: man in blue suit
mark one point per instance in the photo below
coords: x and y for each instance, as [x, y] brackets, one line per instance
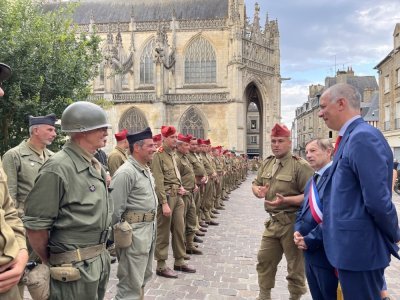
[360, 225]
[321, 276]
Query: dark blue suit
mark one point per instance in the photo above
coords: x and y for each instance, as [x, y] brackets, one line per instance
[360, 225]
[320, 274]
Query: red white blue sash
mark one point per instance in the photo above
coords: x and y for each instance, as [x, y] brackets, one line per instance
[315, 203]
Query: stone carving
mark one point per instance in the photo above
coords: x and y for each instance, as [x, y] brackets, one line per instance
[163, 52]
[134, 97]
[197, 98]
[133, 120]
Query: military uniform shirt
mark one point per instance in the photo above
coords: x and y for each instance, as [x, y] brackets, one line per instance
[186, 170]
[22, 165]
[289, 180]
[207, 164]
[69, 198]
[164, 173]
[133, 188]
[115, 159]
[198, 167]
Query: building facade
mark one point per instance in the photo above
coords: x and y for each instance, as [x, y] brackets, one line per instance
[194, 64]
[307, 125]
[389, 93]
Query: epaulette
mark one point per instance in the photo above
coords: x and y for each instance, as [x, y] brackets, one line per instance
[160, 150]
[269, 157]
[299, 159]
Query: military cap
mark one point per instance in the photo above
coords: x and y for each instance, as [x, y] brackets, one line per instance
[184, 138]
[50, 119]
[5, 72]
[157, 137]
[280, 131]
[120, 136]
[138, 136]
[201, 142]
[207, 142]
[166, 131]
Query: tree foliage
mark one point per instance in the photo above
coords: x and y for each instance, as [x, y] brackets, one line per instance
[52, 65]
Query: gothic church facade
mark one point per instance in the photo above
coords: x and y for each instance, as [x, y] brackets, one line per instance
[194, 64]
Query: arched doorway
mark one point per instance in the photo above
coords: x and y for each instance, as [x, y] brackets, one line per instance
[254, 121]
[133, 120]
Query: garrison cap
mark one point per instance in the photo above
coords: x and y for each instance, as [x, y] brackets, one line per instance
[138, 136]
[5, 72]
[166, 131]
[120, 136]
[184, 138]
[50, 119]
[280, 131]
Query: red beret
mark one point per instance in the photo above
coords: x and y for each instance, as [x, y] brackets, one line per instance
[184, 138]
[120, 136]
[201, 142]
[157, 137]
[280, 131]
[207, 142]
[166, 131]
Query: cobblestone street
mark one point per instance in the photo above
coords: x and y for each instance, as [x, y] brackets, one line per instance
[227, 270]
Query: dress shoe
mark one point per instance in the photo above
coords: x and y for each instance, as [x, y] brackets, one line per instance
[197, 239]
[186, 257]
[212, 223]
[204, 225]
[214, 211]
[202, 229]
[221, 208]
[185, 268]
[195, 245]
[194, 251]
[222, 204]
[113, 259]
[213, 216]
[199, 233]
[167, 272]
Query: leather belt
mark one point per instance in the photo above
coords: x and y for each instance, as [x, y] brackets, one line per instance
[69, 257]
[132, 217]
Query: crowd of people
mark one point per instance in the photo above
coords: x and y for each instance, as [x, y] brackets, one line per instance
[150, 191]
[154, 190]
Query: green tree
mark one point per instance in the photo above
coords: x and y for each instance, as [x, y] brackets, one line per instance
[52, 64]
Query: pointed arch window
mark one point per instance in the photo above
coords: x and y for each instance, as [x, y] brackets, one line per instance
[192, 123]
[133, 120]
[200, 62]
[147, 64]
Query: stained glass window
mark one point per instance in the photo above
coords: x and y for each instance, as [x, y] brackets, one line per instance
[147, 64]
[200, 62]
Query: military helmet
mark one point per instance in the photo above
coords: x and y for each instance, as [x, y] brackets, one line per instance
[83, 116]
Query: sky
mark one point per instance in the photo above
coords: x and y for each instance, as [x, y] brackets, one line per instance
[318, 37]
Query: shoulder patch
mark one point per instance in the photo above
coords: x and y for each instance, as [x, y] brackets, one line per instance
[160, 150]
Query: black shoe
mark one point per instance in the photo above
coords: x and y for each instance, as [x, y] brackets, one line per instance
[113, 259]
[212, 223]
[194, 251]
[197, 239]
[185, 268]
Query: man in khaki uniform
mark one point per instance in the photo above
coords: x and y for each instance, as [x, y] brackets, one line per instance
[135, 201]
[170, 214]
[69, 229]
[201, 178]
[118, 155]
[14, 254]
[22, 163]
[208, 190]
[189, 184]
[157, 140]
[280, 181]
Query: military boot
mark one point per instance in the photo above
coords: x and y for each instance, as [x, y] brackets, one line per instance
[264, 295]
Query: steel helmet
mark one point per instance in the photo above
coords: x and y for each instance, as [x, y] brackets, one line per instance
[83, 116]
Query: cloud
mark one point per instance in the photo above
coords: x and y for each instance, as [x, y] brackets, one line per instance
[318, 37]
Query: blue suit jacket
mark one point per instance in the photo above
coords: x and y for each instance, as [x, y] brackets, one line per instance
[311, 230]
[360, 225]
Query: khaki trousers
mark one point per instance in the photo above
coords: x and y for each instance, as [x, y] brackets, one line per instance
[207, 199]
[277, 240]
[174, 225]
[94, 272]
[136, 262]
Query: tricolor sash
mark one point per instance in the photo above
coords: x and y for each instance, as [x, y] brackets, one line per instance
[315, 203]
